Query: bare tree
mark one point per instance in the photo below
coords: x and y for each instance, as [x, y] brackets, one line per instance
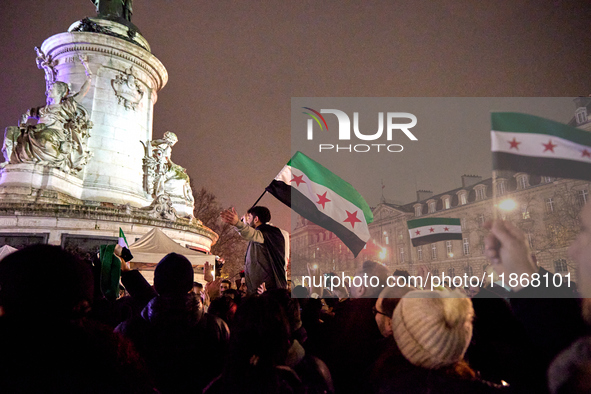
[230, 246]
[556, 217]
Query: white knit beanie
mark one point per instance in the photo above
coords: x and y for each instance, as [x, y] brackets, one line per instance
[433, 328]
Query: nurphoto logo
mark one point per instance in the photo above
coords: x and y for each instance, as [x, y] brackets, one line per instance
[344, 130]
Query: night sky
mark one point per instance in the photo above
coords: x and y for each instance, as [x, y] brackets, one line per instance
[234, 66]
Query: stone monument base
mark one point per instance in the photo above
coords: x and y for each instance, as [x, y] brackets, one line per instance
[81, 228]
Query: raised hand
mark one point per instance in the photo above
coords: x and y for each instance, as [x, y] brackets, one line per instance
[229, 216]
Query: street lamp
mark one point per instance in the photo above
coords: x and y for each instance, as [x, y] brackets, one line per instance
[382, 254]
[508, 204]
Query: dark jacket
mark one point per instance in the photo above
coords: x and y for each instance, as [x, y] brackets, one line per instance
[183, 346]
[79, 356]
[392, 373]
[350, 345]
[265, 262]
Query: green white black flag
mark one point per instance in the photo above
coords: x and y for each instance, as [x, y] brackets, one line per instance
[325, 199]
[429, 230]
[521, 142]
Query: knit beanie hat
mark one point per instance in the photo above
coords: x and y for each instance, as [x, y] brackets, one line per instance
[433, 328]
[173, 275]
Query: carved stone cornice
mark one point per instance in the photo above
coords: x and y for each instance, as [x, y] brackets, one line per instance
[63, 44]
[105, 212]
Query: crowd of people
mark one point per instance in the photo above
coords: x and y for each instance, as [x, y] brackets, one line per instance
[58, 333]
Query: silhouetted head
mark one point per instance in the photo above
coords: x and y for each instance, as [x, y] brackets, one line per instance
[45, 281]
[260, 333]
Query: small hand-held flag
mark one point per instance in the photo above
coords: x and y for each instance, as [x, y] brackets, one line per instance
[322, 197]
[111, 267]
[122, 240]
[110, 272]
[430, 230]
[521, 142]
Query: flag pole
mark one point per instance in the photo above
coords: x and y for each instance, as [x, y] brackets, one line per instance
[253, 205]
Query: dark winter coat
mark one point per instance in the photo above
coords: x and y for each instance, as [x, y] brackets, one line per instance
[265, 262]
[184, 347]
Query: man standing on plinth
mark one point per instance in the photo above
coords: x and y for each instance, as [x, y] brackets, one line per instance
[265, 256]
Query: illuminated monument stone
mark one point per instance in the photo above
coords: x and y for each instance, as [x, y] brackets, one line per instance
[86, 162]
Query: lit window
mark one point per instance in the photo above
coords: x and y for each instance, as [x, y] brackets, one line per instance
[525, 211]
[560, 266]
[501, 188]
[582, 197]
[581, 115]
[434, 251]
[546, 179]
[480, 192]
[418, 210]
[432, 205]
[449, 249]
[481, 219]
[402, 255]
[549, 205]
[522, 181]
[463, 223]
[466, 245]
[420, 253]
[552, 232]
[462, 197]
[446, 202]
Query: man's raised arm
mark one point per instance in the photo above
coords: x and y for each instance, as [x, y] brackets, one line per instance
[248, 233]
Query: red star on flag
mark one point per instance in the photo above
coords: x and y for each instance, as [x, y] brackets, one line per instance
[549, 146]
[352, 218]
[514, 144]
[322, 199]
[431, 230]
[298, 180]
[586, 153]
[417, 232]
[446, 229]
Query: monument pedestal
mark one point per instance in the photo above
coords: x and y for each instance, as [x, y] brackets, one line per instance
[46, 195]
[125, 82]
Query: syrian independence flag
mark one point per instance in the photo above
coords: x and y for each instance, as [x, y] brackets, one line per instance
[430, 230]
[540, 146]
[122, 240]
[325, 199]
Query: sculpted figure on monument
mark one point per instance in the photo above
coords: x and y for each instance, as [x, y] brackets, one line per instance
[59, 137]
[163, 176]
[114, 8]
[47, 63]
